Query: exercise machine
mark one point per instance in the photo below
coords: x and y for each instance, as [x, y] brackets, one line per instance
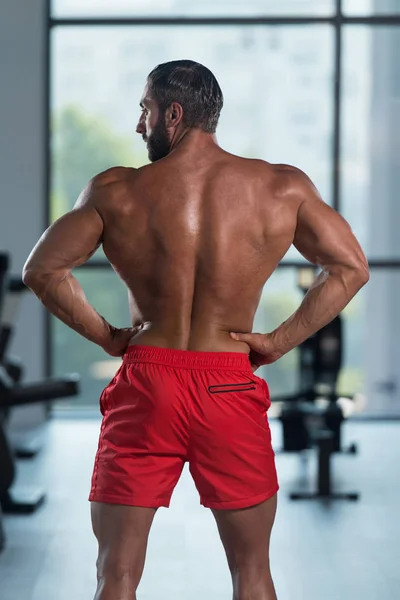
[13, 392]
[312, 417]
[4, 263]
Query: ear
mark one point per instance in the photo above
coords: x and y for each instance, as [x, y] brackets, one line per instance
[174, 115]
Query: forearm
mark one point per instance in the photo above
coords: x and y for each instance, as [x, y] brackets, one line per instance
[65, 299]
[327, 297]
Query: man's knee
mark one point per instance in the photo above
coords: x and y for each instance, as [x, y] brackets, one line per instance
[253, 582]
[119, 571]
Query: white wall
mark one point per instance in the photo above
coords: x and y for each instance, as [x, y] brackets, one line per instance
[22, 147]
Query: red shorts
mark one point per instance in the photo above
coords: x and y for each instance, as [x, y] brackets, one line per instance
[165, 407]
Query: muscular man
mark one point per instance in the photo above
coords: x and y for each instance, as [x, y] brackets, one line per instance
[195, 236]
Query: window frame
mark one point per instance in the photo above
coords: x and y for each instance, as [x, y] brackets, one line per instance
[338, 20]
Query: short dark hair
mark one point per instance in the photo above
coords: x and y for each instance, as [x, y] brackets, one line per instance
[193, 86]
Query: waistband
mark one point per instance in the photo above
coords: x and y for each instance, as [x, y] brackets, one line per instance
[189, 359]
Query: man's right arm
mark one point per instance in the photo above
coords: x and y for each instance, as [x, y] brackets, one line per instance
[325, 239]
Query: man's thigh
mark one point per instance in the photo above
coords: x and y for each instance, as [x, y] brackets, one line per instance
[122, 533]
[245, 533]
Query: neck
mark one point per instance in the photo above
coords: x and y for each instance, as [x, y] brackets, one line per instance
[191, 137]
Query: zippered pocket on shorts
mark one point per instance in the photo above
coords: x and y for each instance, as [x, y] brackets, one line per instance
[224, 388]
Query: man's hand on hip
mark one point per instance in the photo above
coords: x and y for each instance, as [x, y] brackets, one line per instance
[120, 338]
[263, 350]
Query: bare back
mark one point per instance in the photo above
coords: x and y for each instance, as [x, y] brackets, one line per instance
[195, 237]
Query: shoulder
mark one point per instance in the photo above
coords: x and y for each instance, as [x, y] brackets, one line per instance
[105, 186]
[288, 173]
[282, 177]
[114, 175]
[292, 183]
[111, 184]
[273, 172]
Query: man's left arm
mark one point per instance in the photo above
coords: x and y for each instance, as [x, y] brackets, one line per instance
[66, 244]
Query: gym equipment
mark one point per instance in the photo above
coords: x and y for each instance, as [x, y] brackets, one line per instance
[306, 424]
[14, 393]
[11, 373]
[4, 262]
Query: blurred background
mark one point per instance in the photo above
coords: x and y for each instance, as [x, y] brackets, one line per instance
[310, 83]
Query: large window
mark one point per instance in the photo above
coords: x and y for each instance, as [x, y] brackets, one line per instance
[371, 7]
[177, 8]
[371, 137]
[303, 84]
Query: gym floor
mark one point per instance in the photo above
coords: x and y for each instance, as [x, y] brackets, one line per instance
[339, 550]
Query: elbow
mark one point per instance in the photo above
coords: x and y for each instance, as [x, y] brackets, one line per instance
[353, 277]
[38, 279]
[359, 276]
[31, 277]
[363, 274]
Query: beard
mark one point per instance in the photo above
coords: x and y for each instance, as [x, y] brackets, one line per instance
[158, 142]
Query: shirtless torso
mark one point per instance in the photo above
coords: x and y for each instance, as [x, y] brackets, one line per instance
[195, 237]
